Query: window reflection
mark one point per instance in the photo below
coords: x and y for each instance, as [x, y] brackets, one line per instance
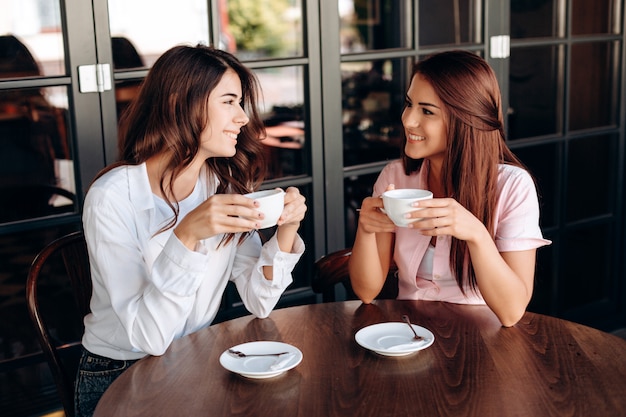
[592, 86]
[535, 19]
[595, 17]
[355, 188]
[153, 29]
[580, 245]
[599, 152]
[125, 57]
[31, 31]
[454, 22]
[16, 59]
[262, 28]
[282, 108]
[540, 160]
[374, 24]
[372, 101]
[534, 108]
[36, 170]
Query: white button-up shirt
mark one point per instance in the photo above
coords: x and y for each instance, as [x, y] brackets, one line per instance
[148, 288]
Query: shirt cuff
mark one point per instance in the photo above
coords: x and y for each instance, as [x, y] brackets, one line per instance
[283, 263]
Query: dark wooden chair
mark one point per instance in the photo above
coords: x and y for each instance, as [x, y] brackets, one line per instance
[72, 250]
[332, 269]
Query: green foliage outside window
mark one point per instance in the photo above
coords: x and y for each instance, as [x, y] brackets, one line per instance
[260, 26]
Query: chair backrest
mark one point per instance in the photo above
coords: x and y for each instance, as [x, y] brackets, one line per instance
[72, 249]
[332, 269]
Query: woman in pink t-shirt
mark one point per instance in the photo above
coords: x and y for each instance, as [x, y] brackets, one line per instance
[477, 238]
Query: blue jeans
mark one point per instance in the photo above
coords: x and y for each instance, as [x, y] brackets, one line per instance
[95, 374]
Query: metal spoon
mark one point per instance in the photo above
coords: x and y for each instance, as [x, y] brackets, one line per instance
[407, 321]
[245, 355]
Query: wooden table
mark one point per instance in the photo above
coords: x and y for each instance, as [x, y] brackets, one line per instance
[543, 366]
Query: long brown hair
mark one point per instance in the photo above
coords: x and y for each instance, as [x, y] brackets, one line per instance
[170, 112]
[469, 90]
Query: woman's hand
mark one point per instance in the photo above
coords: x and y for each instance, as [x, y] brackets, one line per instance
[446, 216]
[371, 217]
[288, 223]
[220, 213]
[294, 210]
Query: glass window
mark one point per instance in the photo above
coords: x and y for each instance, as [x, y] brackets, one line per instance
[591, 177]
[36, 167]
[249, 29]
[125, 57]
[257, 29]
[535, 19]
[541, 162]
[31, 44]
[355, 188]
[374, 24]
[587, 281]
[372, 101]
[592, 86]
[282, 108]
[450, 22]
[533, 92]
[151, 27]
[594, 17]
[541, 300]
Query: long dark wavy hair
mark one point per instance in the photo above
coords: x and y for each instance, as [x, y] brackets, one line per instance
[469, 90]
[170, 112]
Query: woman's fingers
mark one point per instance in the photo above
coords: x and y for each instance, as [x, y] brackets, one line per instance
[295, 207]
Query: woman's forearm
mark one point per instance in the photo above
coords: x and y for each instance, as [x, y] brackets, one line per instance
[505, 280]
[369, 264]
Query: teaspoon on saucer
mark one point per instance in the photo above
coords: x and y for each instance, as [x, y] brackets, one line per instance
[407, 321]
[246, 355]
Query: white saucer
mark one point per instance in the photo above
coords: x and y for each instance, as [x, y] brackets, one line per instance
[393, 339]
[262, 366]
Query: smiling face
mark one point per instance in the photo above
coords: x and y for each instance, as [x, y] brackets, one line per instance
[424, 122]
[225, 118]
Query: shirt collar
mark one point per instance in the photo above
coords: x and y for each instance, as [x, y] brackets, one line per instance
[139, 186]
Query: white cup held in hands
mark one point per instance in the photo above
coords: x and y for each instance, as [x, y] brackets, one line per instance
[399, 202]
[271, 204]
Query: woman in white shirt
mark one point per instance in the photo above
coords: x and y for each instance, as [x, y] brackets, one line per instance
[168, 226]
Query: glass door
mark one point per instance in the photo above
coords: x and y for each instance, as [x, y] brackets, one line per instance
[378, 42]
[36, 150]
[566, 70]
[50, 147]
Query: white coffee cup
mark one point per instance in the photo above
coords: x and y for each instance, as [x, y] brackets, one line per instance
[399, 202]
[271, 204]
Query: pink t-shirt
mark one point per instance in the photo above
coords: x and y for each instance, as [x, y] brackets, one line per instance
[517, 229]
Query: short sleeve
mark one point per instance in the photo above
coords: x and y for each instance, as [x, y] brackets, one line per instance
[517, 212]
